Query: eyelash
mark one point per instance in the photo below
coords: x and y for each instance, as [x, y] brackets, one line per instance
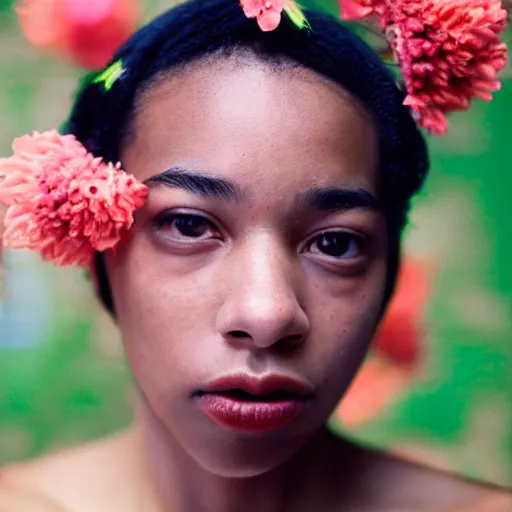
[332, 237]
[167, 221]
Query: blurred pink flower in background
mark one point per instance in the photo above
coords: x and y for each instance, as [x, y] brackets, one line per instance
[401, 332]
[88, 32]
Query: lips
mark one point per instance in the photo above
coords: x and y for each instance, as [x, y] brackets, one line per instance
[248, 404]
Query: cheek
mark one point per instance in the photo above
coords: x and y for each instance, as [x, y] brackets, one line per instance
[345, 317]
[155, 308]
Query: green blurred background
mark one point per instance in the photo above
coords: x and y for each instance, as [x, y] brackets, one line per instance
[62, 374]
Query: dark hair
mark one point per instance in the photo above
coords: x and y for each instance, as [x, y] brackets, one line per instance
[201, 28]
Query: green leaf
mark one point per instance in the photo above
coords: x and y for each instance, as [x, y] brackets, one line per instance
[296, 15]
[110, 75]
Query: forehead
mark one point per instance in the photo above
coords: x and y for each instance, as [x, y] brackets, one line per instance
[255, 124]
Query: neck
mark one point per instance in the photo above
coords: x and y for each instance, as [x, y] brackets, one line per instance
[182, 485]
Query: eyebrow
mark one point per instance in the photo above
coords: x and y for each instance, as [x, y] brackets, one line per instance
[332, 199]
[197, 182]
[327, 199]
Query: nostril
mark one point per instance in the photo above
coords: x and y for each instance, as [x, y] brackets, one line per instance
[239, 334]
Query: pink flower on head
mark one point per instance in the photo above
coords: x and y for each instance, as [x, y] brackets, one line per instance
[449, 51]
[266, 12]
[62, 201]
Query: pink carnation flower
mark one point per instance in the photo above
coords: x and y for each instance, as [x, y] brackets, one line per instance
[449, 51]
[266, 12]
[62, 201]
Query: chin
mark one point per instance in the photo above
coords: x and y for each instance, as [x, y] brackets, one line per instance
[244, 456]
[231, 452]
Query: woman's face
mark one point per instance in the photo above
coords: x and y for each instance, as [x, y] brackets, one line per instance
[253, 281]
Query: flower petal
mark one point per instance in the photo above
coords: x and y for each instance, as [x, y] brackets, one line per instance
[449, 53]
[251, 8]
[269, 20]
[353, 10]
[88, 12]
[64, 202]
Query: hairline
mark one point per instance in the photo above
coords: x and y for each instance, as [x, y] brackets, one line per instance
[239, 54]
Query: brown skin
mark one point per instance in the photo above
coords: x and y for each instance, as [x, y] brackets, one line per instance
[257, 270]
[258, 266]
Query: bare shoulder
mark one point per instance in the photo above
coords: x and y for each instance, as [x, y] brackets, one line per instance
[75, 480]
[388, 483]
[436, 491]
[16, 498]
[493, 501]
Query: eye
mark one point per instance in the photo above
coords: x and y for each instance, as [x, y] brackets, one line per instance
[180, 226]
[337, 244]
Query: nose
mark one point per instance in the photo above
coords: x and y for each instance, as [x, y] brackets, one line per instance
[261, 308]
